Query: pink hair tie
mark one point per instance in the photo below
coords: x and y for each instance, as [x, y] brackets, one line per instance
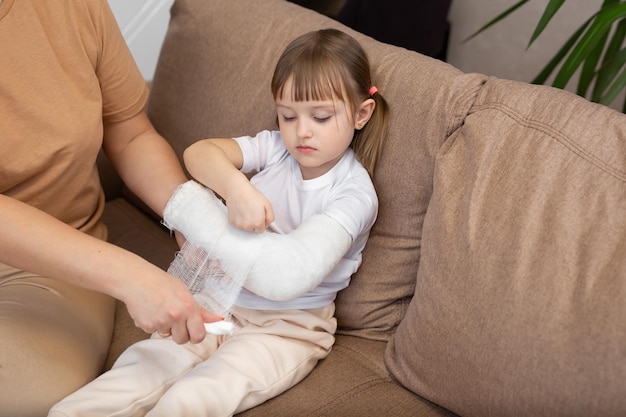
[373, 90]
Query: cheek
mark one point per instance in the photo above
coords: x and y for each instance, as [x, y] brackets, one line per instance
[348, 123]
[288, 134]
[345, 130]
[341, 140]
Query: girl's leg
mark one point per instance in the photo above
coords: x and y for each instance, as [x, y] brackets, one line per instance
[273, 351]
[54, 339]
[137, 380]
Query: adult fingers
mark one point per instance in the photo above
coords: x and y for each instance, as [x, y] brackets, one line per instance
[208, 317]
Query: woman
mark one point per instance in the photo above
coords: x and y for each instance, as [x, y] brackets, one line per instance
[69, 87]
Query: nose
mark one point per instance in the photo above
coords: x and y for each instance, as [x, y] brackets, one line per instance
[303, 129]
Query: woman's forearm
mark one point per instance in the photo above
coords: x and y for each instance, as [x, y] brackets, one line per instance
[34, 241]
[144, 160]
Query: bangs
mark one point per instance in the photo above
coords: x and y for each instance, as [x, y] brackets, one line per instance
[319, 87]
[311, 80]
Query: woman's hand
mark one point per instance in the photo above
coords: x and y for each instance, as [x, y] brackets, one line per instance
[165, 305]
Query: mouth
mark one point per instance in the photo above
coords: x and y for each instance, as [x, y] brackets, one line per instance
[305, 149]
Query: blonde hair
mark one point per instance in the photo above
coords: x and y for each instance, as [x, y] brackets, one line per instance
[328, 64]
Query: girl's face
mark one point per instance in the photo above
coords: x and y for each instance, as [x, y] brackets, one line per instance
[316, 133]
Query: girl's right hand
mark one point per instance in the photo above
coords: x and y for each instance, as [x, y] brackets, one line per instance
[248, 208]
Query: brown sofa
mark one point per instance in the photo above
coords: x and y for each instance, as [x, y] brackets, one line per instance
[494, 281]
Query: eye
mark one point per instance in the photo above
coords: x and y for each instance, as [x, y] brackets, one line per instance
[288, 118]
[322, 119]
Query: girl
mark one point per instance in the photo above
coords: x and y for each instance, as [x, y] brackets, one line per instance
[307, 211]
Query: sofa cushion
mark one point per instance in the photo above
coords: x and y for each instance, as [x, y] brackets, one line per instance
[351, 382]
[203, 74]
[519, 304]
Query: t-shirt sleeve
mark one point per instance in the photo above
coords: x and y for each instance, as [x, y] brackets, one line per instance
[355, 207]
[261, 150]
[124, 90]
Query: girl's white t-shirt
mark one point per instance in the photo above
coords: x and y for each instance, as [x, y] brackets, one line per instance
[345, 193]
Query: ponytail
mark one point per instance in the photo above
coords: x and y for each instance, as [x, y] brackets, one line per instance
[368, 142]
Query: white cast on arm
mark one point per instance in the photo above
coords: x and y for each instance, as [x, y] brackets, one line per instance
[276, 266]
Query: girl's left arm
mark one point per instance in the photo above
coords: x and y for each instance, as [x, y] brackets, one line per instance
[216, 163]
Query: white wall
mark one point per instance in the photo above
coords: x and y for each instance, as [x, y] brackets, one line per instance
[143, 23]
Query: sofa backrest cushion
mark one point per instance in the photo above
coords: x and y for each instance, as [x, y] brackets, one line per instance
[519, 308]
[213, 78]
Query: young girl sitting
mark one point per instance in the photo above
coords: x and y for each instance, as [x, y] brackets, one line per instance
[301, 223]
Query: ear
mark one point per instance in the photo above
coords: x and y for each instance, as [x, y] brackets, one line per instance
[363, 113]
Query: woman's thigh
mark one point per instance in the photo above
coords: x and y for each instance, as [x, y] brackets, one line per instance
[55, 338]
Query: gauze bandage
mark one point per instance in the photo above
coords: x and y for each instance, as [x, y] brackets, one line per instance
[212, 288]
[274, 266]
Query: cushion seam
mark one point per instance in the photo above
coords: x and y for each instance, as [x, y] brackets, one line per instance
[366, 363]
[355, 391]
[557, 135]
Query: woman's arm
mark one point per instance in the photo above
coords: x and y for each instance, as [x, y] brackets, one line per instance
[144, 160]
[34, 241]
[150, 168]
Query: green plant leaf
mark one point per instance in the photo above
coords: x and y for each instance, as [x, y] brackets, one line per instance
[496, 19]
[558, 57]
[608, 73]
[548, 13]
[603, 60]
[600, 25]
[590, 63]
[617, 40]
[610, 63]
[612, 92]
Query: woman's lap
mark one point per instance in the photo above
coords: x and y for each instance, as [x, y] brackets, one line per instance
[55, 338]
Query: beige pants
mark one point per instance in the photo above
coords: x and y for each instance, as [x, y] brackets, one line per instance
[54, 338]
[269, 352]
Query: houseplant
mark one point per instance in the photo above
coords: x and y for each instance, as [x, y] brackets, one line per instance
[596, 48]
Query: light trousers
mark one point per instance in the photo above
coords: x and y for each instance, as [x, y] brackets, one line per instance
[54, 338]
[269, 352]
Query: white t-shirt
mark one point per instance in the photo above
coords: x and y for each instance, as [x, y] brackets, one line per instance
[345, 193]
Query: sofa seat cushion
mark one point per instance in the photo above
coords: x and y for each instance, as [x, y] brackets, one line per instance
[519, 304]
[351, 382]
[130, 228]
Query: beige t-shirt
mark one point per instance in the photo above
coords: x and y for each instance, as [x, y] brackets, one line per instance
[64, 68]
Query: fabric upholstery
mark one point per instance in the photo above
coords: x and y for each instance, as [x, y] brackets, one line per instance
[518, 308]
[350, 382]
